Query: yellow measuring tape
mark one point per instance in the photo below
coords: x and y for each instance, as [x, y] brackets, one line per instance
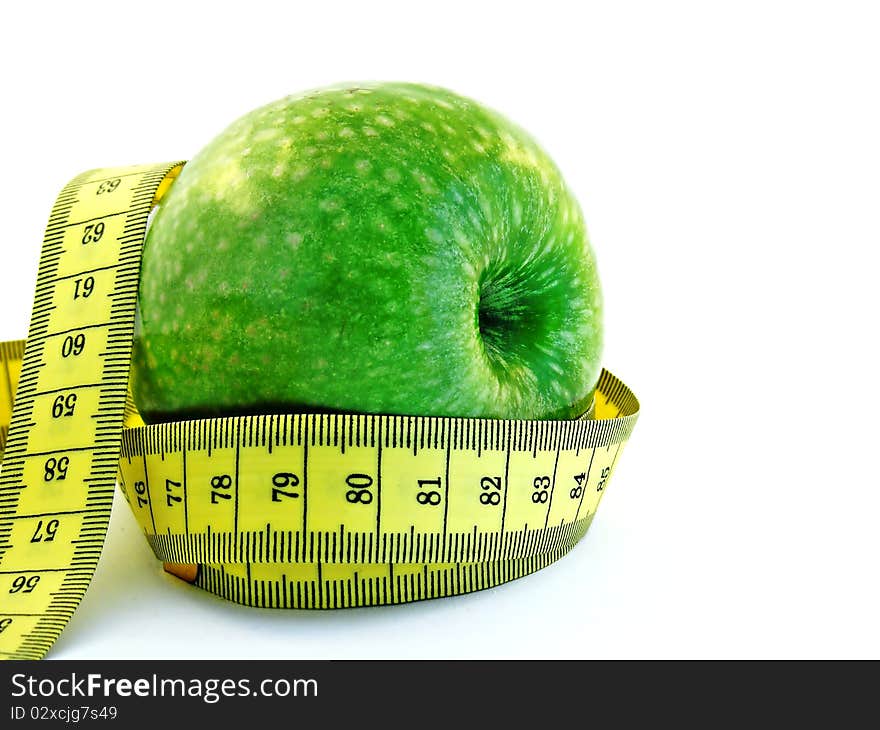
[293, 511]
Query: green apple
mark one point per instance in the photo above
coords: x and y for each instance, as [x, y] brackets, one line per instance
[381, 248]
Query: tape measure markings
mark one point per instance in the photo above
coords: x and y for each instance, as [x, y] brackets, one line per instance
[284, 510]
[261, 437]
[58, 476]
[401, 583]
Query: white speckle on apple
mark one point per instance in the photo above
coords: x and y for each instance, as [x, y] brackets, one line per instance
[434, 235]
[151, 357]
[516, 212]
[425, 182]
[479, 148]
[298, 119]
[278, 170]
[294, 239]
[370, 132]
[346, 132]
[384, 121]
[320, 112]
[391, 175]
[428, 127]
[485, 206]
[264, 135]
[362, 166]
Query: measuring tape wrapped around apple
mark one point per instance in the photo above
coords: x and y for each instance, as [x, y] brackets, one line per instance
[302, 497]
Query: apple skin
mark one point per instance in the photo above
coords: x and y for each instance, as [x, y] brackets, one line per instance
[376, 248]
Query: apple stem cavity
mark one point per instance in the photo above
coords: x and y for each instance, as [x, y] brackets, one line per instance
[517, 315]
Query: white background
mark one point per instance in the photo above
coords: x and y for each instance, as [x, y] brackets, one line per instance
[726, 156]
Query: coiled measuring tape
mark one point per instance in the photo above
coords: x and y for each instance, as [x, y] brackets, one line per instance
[292, 511]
